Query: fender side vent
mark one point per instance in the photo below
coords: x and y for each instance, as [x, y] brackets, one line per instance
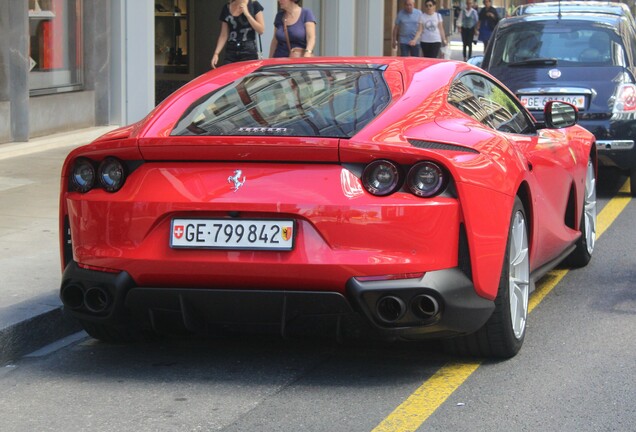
[440, 146]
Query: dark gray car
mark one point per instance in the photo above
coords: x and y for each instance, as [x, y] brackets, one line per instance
[587, 59]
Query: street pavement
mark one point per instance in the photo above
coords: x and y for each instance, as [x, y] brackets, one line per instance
[30, 309]
[31, 313]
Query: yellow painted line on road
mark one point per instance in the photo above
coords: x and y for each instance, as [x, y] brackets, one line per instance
[425, 400]
[612, 209]
[422, 403]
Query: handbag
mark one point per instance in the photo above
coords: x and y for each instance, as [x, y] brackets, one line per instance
[293, 52]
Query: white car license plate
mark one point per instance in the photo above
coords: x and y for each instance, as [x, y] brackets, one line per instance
[539, 101]
[246, 234]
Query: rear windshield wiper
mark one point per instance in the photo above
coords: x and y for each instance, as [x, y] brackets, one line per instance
[535, 61]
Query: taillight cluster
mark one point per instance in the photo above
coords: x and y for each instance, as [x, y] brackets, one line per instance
[625, 98]
[109, 175]
[424, 179]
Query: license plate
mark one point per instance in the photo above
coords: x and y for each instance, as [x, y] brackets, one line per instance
[245, 234]
[538, 102]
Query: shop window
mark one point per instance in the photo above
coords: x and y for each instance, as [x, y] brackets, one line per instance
[55, 50]
[174, 64]
[171, 37]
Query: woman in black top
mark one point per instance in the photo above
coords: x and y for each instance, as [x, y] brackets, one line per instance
[488, 19]
[240, 21]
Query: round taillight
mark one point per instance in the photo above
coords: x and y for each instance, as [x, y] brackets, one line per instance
[83, 175]
[426, 179]
[111, 174]
[381, 177]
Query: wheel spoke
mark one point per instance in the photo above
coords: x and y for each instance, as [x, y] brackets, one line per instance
[589, 211]
[520, 257]
[519, 306]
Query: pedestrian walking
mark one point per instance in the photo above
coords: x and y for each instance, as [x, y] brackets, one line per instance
[467, 22]
[488, 19]
[295, 34]
[241, 22]
[432, 32]
[405, 30]
[456, 11]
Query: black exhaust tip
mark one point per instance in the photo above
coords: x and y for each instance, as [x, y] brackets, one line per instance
[425, 306]
[72, 296]
[390, 309]
[97, 300]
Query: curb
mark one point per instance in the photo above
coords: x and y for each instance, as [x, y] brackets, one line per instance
[33, 333]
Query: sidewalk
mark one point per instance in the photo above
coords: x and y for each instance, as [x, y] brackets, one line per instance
[30, 309]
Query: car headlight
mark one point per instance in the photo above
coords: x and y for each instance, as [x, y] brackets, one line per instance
[111, 174]
[426, 179]
[381, 177]
[83, 175]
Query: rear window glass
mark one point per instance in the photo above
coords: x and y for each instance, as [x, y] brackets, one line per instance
[569, 43]
[324, 102]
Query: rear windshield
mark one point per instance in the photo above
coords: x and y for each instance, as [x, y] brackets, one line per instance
[569, 43]
[316, 102]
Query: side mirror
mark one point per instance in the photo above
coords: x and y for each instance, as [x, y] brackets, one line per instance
[559, 115]
[476, 60]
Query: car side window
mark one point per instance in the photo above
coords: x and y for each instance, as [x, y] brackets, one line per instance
[489, 104]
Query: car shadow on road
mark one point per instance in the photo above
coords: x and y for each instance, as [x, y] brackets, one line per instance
[250, 359]
[609, 182]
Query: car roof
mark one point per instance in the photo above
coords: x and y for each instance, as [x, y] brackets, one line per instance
[589, 7]
[604, 19]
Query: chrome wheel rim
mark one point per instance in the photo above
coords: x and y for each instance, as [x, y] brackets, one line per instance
[589, 209]
[519, 274]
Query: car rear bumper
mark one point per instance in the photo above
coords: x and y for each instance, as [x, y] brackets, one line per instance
[438, 304]
[615, 140]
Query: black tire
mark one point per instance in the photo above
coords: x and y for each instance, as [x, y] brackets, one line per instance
[632, 182]
[498, 337]
[582, 255]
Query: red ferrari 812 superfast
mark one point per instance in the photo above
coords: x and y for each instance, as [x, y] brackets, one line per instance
[409, 197]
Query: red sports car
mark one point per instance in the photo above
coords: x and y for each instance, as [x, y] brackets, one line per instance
[413, 197]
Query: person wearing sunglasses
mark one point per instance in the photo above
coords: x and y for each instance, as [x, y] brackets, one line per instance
[431, 31]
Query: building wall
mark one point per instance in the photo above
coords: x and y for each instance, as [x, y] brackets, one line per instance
[4, 51]
[24, 117]
[119, 53]
[5, 122]
[16, 34]
[5, 108]
[61, 112]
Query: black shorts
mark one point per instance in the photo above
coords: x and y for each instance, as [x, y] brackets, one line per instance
[235, 52]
